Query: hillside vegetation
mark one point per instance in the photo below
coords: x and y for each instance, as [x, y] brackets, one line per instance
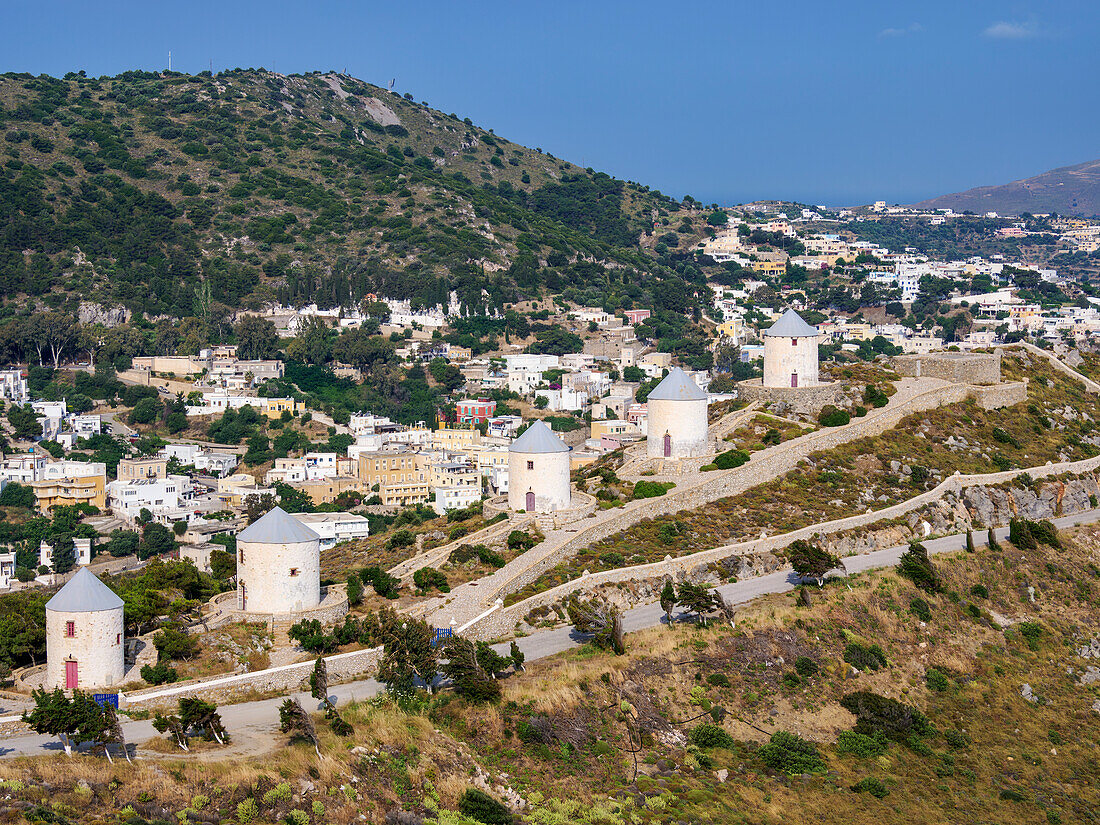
[877, 702]
[195, 195]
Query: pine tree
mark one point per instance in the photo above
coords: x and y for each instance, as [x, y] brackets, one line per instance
[668, 600]
[293, 719]
[517, 656]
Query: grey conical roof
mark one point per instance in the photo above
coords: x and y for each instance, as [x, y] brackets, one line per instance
[791, 325]
[676, 386]
[538, 438]
[277, 526]
[84, 593]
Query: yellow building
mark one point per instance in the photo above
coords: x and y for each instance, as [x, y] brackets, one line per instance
[733, 328]
[57, 492]
[769, 267]
[327, 490]
[455, 437]
[274, 407]
[402, 478]
[130, 469]
[234, 489]
[613, 426]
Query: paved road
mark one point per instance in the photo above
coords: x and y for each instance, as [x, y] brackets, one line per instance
[255, 721]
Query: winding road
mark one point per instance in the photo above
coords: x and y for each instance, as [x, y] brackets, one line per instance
[252, 724]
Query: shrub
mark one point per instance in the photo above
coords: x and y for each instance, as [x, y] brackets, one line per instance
[521, 540]
[428, 578]
[355, 590]
[1019, 533]
[790, 679]
[1044, 532]
[805, 666]
[718, 680]
[833, 416]
[920, 608]
[872, 786]
[246, 811]
[860, 744]
[159, 674]
[174, 644]
[918, 568]
[980, 590]
[1031, 631]
[865, 657]
[384, 584]
[877, 714]
[1004, 437]
[710, 736]
[484, 808]
[651, 489]
[401, 538]
[936, 680]
[730, 459]
[956, 740]
[791, 754]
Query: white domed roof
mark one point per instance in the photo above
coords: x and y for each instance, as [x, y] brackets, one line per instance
[277, 526]
[791, 325]
[84, 593]
[676, 386]
[538, 438]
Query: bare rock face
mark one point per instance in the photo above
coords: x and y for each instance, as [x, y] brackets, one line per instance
[93, 313]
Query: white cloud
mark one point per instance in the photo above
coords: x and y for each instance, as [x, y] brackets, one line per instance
[912, 28]
[1011, 30]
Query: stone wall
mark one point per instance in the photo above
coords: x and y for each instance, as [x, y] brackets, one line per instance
[1090, 385]
[996, 396]
[503, 621]
[282, 679]
[762, 467]
[333, 606]
[803, 400]
[956, 367]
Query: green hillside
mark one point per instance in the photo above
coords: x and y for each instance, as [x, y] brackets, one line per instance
[168, 193]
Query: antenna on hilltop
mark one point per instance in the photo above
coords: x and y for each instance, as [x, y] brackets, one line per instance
[392, 82]
[169, 60]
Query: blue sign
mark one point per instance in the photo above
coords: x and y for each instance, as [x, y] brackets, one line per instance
[106, 699]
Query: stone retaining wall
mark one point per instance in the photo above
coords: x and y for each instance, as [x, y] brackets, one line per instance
[504, 621]
[333, 606]
[762, 467]
[803, 400]
[282, 679]
[956, 367]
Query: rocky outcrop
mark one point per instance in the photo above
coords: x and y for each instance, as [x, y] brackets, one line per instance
[93, 313]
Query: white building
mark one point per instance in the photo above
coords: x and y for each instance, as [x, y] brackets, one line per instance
[334, 528]
[278, 565]
[84, 635]
[7, 569]
[677, 418]
[192, 455]
[23, 468]
[13, 386]
[538, 471]
[790, 353]
[160, 496]
[85, 426]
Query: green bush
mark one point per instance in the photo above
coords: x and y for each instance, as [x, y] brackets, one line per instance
[860, 744]
[428, 578]
[1032, 632]
[918, 568]
[718, 680]
[1004, 437]
[651, 489]
[730, 459]
[791, 754]
[936, 680]
[872, 786]
[159, 674]
[484, 808]
[710, 736]
[865, 657]
[877, 714]
[833, 416]
[980, 590]
[246, 811]
[956, 740]
[805, 666]
[920, 608]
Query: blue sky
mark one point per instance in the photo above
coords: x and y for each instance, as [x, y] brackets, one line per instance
[823, 102]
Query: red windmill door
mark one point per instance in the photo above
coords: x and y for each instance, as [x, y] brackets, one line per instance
[530, 502]
[70, 675]
[668, 446]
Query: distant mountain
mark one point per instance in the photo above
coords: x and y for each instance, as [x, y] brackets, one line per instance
[1070, 190]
